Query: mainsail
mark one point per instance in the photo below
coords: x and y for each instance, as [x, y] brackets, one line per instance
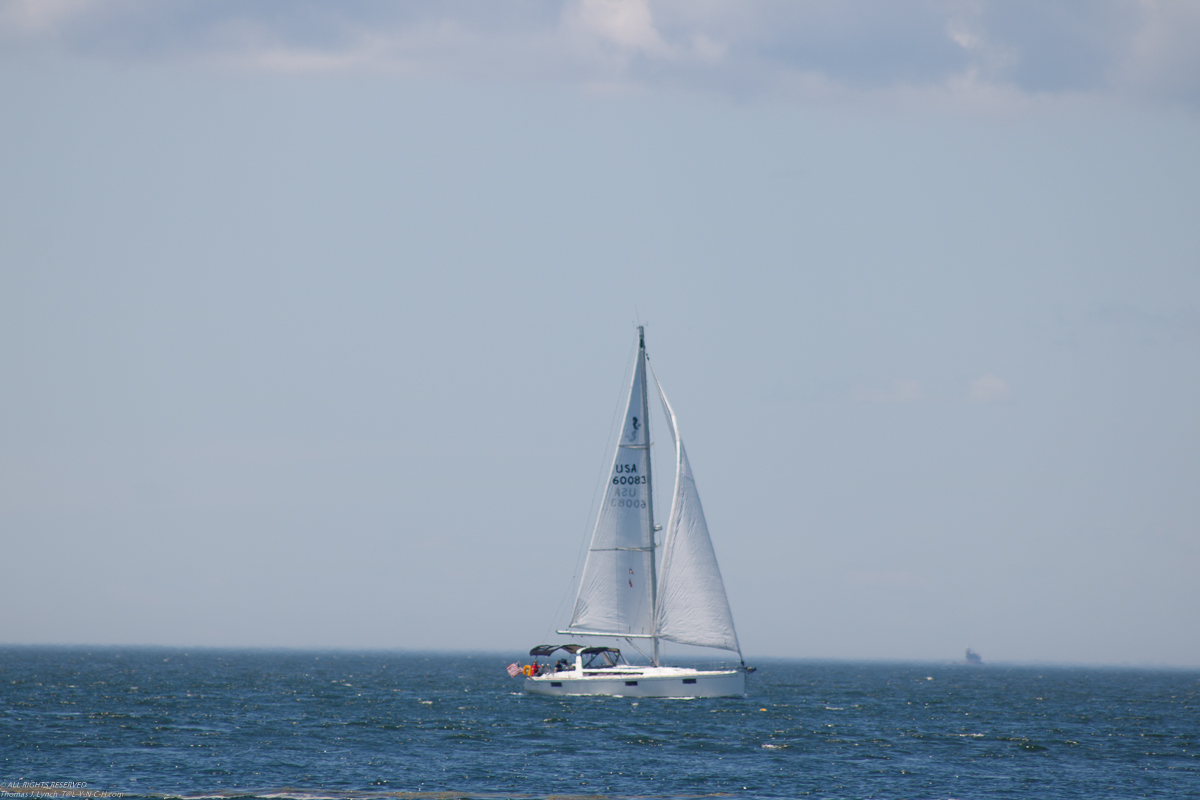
[616, 593]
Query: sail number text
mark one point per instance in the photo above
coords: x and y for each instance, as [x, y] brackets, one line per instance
[627, 474]
[630, 503]
[626, 477]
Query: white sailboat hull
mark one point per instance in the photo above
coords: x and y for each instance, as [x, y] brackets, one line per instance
[640, 682]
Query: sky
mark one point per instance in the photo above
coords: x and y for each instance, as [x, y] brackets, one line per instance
[315, 318]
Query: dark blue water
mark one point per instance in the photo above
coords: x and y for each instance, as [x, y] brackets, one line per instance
[229, 724]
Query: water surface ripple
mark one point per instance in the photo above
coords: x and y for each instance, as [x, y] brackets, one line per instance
[154, 722]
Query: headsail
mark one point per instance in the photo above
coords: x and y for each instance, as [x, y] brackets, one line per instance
[692, 607]
[616, 593]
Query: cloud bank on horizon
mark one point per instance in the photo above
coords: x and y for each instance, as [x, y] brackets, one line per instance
[974, 52]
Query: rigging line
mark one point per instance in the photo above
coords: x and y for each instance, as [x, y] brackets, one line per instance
[635, 647]
[602, 480]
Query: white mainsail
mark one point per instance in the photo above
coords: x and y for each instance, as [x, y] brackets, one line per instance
[616, 593]
[692, 607]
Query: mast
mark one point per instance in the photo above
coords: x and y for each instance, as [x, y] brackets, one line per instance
[649, 485]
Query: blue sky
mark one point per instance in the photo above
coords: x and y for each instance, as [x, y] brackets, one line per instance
[314, 320]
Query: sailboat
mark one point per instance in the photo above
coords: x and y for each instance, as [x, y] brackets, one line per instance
[626, 593]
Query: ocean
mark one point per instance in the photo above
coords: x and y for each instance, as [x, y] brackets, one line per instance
[289, 724]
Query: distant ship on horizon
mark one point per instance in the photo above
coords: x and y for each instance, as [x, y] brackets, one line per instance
[973, 657]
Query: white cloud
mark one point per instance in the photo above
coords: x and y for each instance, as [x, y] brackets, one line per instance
[989, 389]
[624, 23]
[33, 17]
[1164, 56]
[981, 52]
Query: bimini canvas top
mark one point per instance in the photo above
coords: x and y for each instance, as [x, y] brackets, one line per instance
[544, 650]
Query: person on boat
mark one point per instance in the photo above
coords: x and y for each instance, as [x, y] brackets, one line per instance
[561, 666]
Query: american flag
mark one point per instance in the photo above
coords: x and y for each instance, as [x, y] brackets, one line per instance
[514, 669]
